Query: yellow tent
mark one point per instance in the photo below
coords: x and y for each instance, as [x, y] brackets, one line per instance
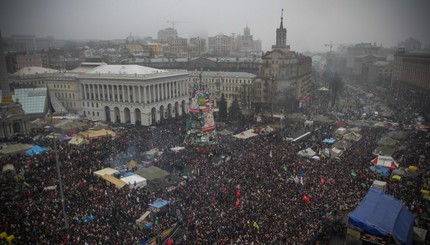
[131, 164]
[396, 177]
[98, 133]
[117, 182]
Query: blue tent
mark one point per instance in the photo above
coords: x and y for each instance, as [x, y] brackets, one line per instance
[381, 215]
[380, 170]
[159, 203]
[35, 150]
[329, 140]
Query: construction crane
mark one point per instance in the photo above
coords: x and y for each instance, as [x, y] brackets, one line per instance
[330, 45]
[173, 22]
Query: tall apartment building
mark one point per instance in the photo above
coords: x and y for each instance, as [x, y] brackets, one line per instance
[410, 44]
[155, 49]
[220, 45]
[197, 46]
[245, 45]
[412, 69]
[361, 49]
[24, 43]
[178, 47]
[28, 60]
[165, 35]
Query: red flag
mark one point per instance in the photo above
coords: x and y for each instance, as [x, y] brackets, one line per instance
[169, 241]
[306, 198]
[238, 193]
[236, 204]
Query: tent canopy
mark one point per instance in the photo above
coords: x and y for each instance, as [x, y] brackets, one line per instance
[342, 144]
[385, 161]
[353, 136]
[35, 150]
[14, 149]
[117, 182]
[245, 134]
[307, 153]
[382, 214]
[90, 134]
[131, 164]
[159, 203]
[135, 181]
[152, 173]
[108, 171]
[329, 140]
[387, 141]
[76, 140]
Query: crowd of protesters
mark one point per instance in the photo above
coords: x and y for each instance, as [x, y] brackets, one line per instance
[265, 194]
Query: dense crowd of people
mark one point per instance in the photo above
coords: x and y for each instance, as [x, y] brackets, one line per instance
[266, 193]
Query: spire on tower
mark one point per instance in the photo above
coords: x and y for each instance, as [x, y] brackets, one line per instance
[282, 18]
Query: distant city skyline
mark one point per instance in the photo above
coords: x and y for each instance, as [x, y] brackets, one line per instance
[310, 23]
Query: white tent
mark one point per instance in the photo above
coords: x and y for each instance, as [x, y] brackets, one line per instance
[307, 153]
[177, 148]
[135, 181]
[353, 136]
[380, 185]
[340, 131]
[245, 134]
[108, 171]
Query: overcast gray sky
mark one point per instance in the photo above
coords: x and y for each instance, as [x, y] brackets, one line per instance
[309, 23]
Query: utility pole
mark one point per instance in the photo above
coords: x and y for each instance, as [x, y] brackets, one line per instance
[272, 78]
[63, 203]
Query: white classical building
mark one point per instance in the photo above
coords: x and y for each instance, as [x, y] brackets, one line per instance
[133, 94]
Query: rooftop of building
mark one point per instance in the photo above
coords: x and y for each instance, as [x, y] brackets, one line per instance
[33, 70]
[224, 74]
[381, 63]
[125, 69]
[87, 67]
[415, 53]
[33, 100]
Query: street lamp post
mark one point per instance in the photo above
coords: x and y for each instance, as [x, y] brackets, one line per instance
[63, 204]
[272, 78]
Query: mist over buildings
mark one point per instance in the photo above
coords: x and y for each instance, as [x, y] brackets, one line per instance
[310, 23]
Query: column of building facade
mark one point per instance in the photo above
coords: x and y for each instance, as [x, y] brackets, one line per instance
[128, 94]
[123, 93]
[82, 91]
[103, 93]
[167, 90]
[151, 93]
[118, 97]
[144, 94]
[90, 90]
[140, 93]
[98, 91]
[86, 91]
[163, 91]
[158, 94]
